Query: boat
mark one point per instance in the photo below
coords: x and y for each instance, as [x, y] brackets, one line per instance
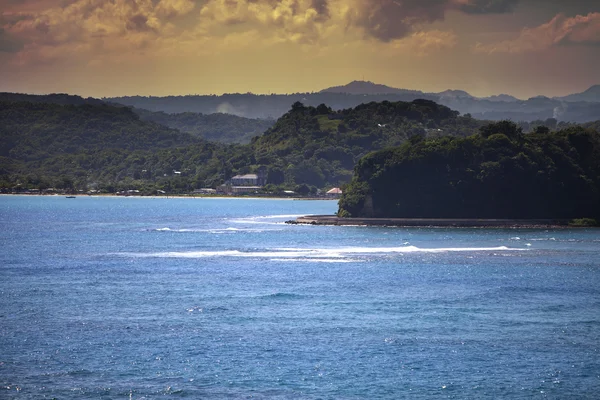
[70, 197]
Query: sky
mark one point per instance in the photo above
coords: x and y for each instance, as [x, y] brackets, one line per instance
[105, 48]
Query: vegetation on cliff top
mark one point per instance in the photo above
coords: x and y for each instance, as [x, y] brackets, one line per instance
[498, 173]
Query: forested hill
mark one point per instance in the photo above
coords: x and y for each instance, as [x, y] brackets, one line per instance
[111, 148]
[30, 131]
[55, 98]
[87, 146]
[498, 173]
[107, 147]
[319, 146]
[223, 128]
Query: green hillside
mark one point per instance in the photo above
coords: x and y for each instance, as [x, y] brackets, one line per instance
[92, 146]
[110, 147]
[223, 128]
[319, 146]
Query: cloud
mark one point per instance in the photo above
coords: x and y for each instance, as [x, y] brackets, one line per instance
[8, 43]
[561, 30]
[387, 20]
[488, 6]
[81, 20]
[423, 43]
[46, 30]
[291, 20]
[88, 25]
[383, 20]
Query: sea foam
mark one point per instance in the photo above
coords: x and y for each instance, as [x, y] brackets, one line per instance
[326, 254]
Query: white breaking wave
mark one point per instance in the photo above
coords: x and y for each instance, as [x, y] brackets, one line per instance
[278, 216]
[321, 260]
[325, 254]
[215, 230]
[265, 219]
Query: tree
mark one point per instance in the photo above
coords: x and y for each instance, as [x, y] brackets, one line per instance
[302, 189]
[508, 128]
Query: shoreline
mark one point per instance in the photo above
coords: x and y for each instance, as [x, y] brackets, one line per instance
[329, 220]
[176, 196]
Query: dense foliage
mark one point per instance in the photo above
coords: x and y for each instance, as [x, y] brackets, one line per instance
[498, 173]
[112, 148]
[319, 146]
[223, 128]
[106, 148]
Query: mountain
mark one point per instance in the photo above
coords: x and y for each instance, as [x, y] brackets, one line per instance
[218, 127]
[112, 148]
[590, 95]
[455, 94]
[273, 106]
[33, 131]
[319, 146]
[97, 146]
[55, 98]
[367, 87]
[501, 98]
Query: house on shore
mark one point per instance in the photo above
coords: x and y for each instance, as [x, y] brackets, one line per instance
[243, 184]
[335, 192]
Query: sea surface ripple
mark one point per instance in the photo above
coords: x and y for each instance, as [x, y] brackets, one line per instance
[147, 298]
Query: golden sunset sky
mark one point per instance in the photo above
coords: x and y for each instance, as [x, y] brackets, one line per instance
[175, 47]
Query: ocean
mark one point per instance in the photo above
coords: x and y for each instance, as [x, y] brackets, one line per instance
[144, 298]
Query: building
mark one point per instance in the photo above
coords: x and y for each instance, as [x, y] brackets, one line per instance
[258, 179]
[245, 180]
[241, 184]
[335, 192]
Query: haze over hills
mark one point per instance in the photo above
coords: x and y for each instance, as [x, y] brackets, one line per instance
[579, 107]
[591, 95]
[218, 127]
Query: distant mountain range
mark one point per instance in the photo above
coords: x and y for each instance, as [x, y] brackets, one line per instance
[365, 87]
[590, 95]
[579, 107]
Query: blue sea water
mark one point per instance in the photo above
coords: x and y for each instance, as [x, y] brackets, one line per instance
[147, 298]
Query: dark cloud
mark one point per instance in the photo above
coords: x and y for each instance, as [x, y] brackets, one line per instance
[321, 6]
[489, 6]
[392, 19]
[8, 43]
[138, 23]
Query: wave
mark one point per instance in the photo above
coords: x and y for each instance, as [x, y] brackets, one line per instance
[318, 260]
[282, 295]
[214, 230]
[265, 219]
[278, 216]
[325, 254]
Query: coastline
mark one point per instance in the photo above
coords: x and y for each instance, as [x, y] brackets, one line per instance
[330, 220]
[175, 196]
